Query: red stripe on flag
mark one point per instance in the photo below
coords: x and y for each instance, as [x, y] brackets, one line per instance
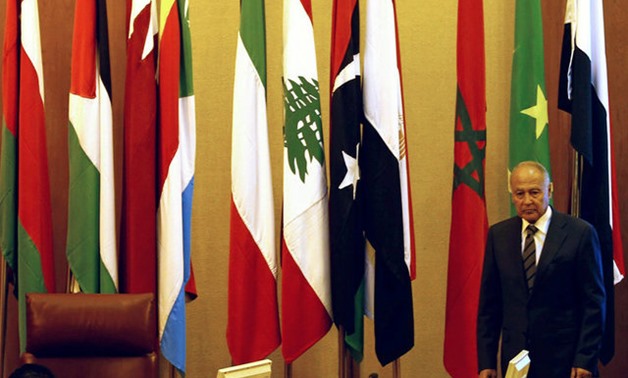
[10, 85]
[84, 51]
[253, 326]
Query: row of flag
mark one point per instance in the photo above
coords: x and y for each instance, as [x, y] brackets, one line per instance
[158, 169]
[583, 92]
[328, 272]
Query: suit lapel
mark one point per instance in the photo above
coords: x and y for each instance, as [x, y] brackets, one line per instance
[556, 234]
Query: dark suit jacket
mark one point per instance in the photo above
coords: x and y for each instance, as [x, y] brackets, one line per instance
[562, 320]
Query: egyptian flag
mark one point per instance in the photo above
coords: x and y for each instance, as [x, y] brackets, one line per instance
[469, 222]
[25, 210]
[306, 287]
[253, 314]
[345, 228]
[384, 181]
[583, 92]
[138, 245]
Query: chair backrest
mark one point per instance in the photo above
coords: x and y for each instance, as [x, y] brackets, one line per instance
[92, 335]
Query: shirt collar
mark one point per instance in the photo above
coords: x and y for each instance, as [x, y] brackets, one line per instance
[542, 224]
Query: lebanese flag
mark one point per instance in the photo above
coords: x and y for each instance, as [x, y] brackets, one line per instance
[385, 184]
[583, 92]
[138, 246]
[91, 240]
[345, 228]
[306, 288]
[253, 322]
[25, 210]
[469, 221]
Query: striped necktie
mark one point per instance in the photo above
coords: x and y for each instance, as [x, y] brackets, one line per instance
[529, 256]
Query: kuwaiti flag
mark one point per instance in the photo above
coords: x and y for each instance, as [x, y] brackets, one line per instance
[384, 180]
[345, 228]
[175, 173]
[25, 212]
[306, 290]
[138, 244]
[469, 221]
[253, 322]
[584, 93]
[91, 240]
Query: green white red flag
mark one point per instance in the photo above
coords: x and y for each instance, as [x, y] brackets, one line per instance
[25, 210]
[253, 322]
[91, 241]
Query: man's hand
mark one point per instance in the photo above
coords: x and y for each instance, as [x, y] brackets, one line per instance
[488, 373]
[580, 373]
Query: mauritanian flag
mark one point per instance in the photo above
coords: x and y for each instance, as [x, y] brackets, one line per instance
[138, 244]
[25, 212]
[91, 239]
[175, 174]
[253, 322]
[345, 228]
[384, 182]
[469, 221]
[306, 288]
[529, 131]
[583, 92]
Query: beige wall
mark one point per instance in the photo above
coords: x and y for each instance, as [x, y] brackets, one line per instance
[427, 32]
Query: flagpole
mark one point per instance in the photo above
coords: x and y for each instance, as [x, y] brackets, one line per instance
[3, 313]
[341, 353]
[397, 368]
[287, 371]
[576, 183]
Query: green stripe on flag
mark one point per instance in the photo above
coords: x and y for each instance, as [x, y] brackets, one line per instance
[8, 197]
[253, 34]
[186, 84]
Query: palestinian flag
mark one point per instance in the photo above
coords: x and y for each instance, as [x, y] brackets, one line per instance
[469, 221]
[583, 92]
[385, 184]
[306, 287]
[25, 211]
[345, 228]
[91, 240]
[253, 322]
[138, 246]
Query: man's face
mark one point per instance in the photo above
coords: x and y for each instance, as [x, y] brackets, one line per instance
[530, 192]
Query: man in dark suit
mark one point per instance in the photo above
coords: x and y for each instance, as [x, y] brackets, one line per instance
[542, 287]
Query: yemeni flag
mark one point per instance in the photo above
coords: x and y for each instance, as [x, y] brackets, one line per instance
[345, 227]
[253, 322]
[91, 238]
[529, 131]
[25, 211]
[385, 184]
[469, 221]
[175, 173]
[583, 92]
[306, 287]
[138, 246]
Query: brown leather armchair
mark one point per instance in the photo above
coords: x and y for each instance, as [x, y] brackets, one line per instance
[92, 335]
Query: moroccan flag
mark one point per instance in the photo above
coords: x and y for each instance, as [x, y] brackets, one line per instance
[25, 212]
[583, 92]
[175, 174]
[469, 222]
[91, 240]
[253, 322]
[306, 287]
[138, 246]
[345, 229]
[529, 132]
[384, 180]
